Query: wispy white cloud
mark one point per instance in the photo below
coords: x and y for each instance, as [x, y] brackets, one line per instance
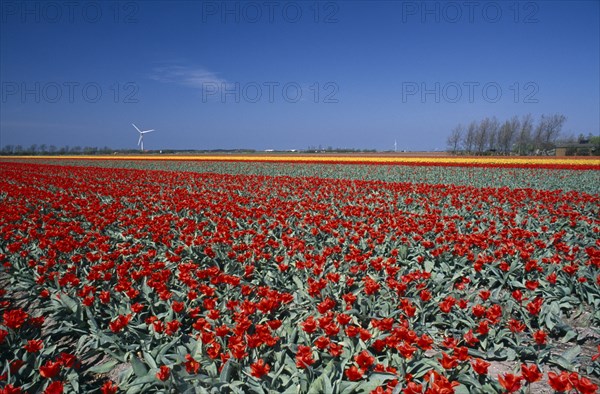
[193, 77]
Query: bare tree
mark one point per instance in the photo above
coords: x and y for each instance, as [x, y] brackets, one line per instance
[493, 134]
[515, 126]
[524, 134]
[538, 136]
[502, 135]
[90, 150]
[507, 134]
[547, 131]
[480, 138]
[514, 134]
[482, 135]
[552, 127]
[455, 138]
[469, 137]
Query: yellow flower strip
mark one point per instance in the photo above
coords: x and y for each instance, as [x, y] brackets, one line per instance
[338, 159]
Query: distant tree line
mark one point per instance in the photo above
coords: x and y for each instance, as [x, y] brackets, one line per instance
[521, 136]
[44, 149]
[330, 149]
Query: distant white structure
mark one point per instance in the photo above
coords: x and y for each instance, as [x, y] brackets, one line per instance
[395, 146]
[141, 140]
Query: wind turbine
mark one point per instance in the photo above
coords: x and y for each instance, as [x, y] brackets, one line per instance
[395, 145]
[141, 140]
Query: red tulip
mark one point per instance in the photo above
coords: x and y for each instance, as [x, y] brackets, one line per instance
[531, 374]
[163, 373]
[55, 387]
[353, 373]
[259, 368]
[510, 382]
[34, 345]
[50, 369]
[364, 359]
[109, 387]
[15, 318]
[480, 366]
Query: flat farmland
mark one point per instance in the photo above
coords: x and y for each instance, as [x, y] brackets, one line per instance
[269, 274]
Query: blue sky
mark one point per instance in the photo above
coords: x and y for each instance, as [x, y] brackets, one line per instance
[290, 74]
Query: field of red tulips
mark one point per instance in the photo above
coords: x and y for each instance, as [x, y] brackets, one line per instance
[151, 279]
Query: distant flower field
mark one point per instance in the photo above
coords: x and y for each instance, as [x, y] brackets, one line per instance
[272, 276]
[537, 173]
[491, 161]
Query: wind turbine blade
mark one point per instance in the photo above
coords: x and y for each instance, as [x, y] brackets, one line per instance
[146, 131]
[136, 127]
[141, 139]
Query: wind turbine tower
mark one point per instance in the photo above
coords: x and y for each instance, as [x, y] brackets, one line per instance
[141, 140]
